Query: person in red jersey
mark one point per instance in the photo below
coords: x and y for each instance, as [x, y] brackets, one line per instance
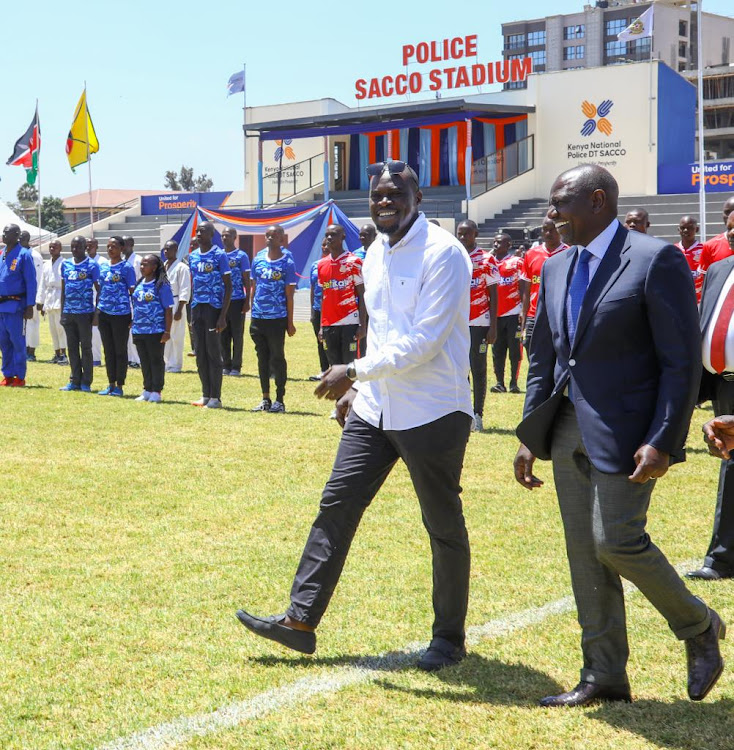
[692, 249]
[509, 308]
[482, 314]
[530, 274]
[717, 248]
[342, 305]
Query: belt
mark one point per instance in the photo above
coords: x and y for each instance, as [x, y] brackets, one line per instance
[728, 376]
[10, 298]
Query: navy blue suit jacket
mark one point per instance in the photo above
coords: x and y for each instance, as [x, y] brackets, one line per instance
[635, 361]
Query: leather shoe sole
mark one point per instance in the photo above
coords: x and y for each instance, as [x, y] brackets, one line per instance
[441, 653]
[586, 693]
[273, 629]
[708, 574]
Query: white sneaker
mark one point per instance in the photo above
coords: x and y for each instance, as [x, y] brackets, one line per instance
[155, 398]
[203, 401]
[213, 403]
[144, 396]
[477, 424]
[332, 415]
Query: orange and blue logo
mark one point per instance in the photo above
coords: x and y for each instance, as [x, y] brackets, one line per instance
[597, 117]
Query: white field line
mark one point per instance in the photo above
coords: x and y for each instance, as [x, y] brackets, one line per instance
[172, 733]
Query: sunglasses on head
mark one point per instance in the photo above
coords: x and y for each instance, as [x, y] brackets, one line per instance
[393, 167]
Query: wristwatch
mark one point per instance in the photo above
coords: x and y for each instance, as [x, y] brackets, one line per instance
[351, 371]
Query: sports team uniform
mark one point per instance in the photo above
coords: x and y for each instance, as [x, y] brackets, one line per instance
[116, 280]
[150, 302]
[339, 278]
[714, 250]
[316, 314]
[239, 264]
[693, 257]
[508, 319]
[76, 317]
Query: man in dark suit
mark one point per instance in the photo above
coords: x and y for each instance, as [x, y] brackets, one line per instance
[614, 370]
[717, 384]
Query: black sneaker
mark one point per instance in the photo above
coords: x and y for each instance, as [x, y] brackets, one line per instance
[515, 388]
[278, 407]
[499, 388]
[264, 405]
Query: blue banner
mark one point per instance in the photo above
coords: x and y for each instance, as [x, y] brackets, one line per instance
[686, 178]
[155, 205]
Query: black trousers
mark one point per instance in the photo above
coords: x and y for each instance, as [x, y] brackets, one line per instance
[316, 323]
[268, 334]
[192, 332]
[434, 455]
[507, 341]
[478, 366]
[114, 330]
[720, 554]
[340, 344]
[150, 350]
[529, 327]
[232, 336]
[78, 327]
[208, 349]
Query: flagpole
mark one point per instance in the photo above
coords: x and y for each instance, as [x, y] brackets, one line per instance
[650, 97]
[701, 150]
[38, 174]
[244, 133]
[89, 160]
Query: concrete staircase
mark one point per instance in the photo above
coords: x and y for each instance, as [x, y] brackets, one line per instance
[665, 213]
[145, 230]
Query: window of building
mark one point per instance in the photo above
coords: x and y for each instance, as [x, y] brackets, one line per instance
[538, 58]
[515, 41]
[616, 26]
[641, 46]
[536, 39]
[682, 49]
[683, 28]
[574, 32]
[574, 53]
[614, 49]
[516, 85]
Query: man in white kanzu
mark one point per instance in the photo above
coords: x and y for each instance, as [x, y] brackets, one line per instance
[33, 326]
[408, 399]
[180, 280]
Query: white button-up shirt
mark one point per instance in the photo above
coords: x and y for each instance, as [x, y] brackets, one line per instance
[51, 284]
[180, 278]
[417, 296]
[709, 332]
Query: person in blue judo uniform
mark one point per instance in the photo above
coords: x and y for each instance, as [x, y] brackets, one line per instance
[17, 298]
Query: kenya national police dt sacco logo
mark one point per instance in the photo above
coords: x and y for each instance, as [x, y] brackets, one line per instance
[597, 117]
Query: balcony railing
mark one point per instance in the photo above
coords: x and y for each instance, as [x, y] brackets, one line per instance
[502, 165]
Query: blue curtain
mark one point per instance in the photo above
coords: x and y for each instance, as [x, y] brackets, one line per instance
[453, 154]
[521, 131]
[443, 157]
[414, 149]
[424, 170]
[477, 139]
[354, 162]
[510, 134]
[364, 158]
[380, 148]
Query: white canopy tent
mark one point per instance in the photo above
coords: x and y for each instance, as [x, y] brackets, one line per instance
[8, 216]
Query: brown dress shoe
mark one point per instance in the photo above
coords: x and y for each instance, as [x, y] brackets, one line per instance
[705, 664]
[586, 693]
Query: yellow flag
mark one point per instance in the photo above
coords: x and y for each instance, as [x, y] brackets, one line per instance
[81, 133]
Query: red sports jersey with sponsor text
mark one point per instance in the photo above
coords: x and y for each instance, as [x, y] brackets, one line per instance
[339, 278]
[693, 257]
[508, 291]
[714, 250]
[484, 275]
[532, 265]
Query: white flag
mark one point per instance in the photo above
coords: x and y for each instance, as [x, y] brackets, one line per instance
[639, 28]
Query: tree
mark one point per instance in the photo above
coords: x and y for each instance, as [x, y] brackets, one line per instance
[27, 194]
[52, 214]
[185, 181]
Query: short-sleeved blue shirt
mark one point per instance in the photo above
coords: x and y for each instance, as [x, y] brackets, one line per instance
[149, 307]
[318, 291]
[207, 270]
[116, 280]
[239, 263]
[271, 278]
[79, 281]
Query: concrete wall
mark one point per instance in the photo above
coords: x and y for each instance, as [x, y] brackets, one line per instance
[494, 202]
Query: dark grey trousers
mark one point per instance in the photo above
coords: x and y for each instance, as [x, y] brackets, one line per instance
[434, 455]
[720, 554]
[78, 327]
[604, 518]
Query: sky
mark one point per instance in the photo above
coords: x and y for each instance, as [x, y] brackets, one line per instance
[156, 73]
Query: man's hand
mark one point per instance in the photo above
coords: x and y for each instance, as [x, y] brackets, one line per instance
[334, 383]
[492, 334]
[165, 336]
[651, 464]
[719, 436]
[39, 307]
[291, 329]
[95, 318]
[344, 406]
[246, 306]
[177, 315]
[361, 333]
[28, 314]
[523, 464]
[221, 323]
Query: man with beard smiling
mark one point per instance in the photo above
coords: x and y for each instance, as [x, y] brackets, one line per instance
[615, 364]
[413, 404]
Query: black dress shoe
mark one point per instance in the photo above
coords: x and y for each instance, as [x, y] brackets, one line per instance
[441, 653]
[705, 664]
[586, 693]
[273, 628]
[708, 574]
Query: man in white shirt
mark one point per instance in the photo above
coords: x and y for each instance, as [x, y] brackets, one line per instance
[51, 301]
[413, 403]
[180, 280]
[134, 260]
[33, 326]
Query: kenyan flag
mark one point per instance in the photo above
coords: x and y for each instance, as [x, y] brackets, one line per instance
[27, 148]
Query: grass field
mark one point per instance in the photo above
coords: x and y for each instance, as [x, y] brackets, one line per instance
[131, 532]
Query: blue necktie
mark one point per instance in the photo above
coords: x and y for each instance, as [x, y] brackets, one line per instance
[576, 292]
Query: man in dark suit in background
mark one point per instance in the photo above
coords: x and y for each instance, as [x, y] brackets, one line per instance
[717, 384]
[614, 372]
